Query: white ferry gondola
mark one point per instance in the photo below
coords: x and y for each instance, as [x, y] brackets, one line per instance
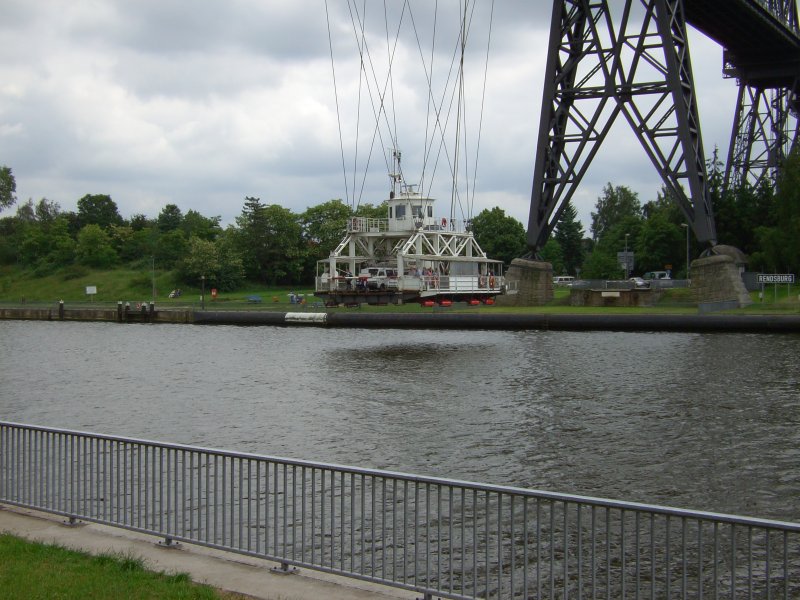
[410, 256]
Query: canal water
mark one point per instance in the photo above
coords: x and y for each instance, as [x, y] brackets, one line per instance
[701, 421]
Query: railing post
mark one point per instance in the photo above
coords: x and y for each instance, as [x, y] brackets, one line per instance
[284, 569]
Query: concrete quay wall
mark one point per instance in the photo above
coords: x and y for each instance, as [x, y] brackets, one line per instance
[121, 314]
[492, 321]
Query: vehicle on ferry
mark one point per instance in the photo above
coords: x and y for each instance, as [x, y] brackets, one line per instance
[412, 255]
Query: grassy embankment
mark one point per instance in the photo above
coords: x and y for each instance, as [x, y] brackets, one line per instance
[33, 570]
[130, 285]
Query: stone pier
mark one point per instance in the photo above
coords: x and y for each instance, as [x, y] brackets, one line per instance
[528, 282]
[717, 279]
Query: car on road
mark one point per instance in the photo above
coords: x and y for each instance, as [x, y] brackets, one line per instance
[563, 280]
[638, 282]
[657, 275]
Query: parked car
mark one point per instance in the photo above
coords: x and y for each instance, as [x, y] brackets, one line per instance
[563, 280]
[638, 282]
[657, 275]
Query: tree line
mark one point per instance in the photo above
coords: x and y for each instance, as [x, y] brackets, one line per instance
[763, 222]
[272, 245]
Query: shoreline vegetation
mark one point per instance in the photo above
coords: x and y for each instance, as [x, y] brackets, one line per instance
[22, 288]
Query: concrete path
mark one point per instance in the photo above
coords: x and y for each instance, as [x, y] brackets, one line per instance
[223, 570]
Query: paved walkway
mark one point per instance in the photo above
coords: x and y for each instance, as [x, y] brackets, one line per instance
[223, 570]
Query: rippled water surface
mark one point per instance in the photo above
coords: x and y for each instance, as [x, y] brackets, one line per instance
[706, 421]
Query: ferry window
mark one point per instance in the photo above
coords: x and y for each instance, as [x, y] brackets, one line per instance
[416, 210]
[390, 212]
[430, 211]
[400, 213]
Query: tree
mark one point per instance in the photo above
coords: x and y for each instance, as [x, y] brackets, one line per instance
[170, 248]
[170, 218]
[9, 246]
[780, 243]
[501, 237]
[552, 253]
[569, 235]
[325, 224]
[660, 243]
[43, 239]
[601, 265]
[46, 211]
[603, 261]
[98, 209]
[140, 221]
[94, 247]
[251, 237]
[205, 228]
[8, 187]
[615, 204]
[26, 213]
[270, 242]
[371, 211]
[61, 250]
[215, 260]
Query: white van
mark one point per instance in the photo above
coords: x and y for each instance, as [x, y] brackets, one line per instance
[563, 280]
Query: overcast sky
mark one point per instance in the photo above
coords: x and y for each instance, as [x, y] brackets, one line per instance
[201, 104]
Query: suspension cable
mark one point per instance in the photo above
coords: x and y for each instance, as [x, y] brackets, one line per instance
[471, 200]
[336, 96]
[441, 111]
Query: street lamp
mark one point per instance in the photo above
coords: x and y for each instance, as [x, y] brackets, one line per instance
[626, 255]
[202, 292]
[686, 226]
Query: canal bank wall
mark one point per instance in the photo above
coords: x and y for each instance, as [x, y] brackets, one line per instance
[475, 321]
[122, 313]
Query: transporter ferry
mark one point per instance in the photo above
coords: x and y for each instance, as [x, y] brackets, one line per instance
[410, 256]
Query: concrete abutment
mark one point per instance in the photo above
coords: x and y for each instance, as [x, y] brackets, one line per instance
[528, 283]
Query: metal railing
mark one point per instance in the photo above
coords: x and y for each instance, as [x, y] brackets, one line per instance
[445, 538]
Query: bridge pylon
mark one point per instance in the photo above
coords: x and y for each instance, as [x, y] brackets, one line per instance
[602, 64]
[765, 128]
[765, 124]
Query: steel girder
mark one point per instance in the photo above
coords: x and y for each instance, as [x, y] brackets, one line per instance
[597, 69]
[765, 128]
[784, 10]
[765, 125]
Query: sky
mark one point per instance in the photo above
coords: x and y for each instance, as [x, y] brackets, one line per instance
[202, 104]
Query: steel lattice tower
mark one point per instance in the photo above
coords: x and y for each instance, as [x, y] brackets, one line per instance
[765, 124]
[632, 60]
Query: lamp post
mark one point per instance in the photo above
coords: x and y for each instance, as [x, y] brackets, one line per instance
[202, 292]
[626, 255]
[154, 279]
[686, 226]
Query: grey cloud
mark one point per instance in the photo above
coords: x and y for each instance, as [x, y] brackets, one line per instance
[203, 103]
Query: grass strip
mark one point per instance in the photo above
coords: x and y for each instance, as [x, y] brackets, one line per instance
[32, 570]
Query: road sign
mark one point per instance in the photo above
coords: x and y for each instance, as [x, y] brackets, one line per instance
[626, 260]
[776, 278]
